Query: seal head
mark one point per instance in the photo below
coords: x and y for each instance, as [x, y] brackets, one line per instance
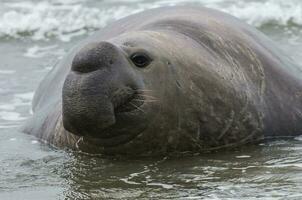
[103, 96]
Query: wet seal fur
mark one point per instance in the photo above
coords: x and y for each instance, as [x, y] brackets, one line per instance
[167, 80]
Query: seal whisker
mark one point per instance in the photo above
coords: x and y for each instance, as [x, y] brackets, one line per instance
[143, 90]
[148, 96]
[136, 107]
[147, 101]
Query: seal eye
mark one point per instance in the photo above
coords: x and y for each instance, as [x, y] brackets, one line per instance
[140, 59]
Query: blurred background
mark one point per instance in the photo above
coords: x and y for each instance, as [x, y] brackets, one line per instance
[35, 34]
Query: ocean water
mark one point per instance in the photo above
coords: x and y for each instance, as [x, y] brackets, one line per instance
[36, 34]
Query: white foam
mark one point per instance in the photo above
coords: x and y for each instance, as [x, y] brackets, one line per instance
[22, 99]
[243, 156]
[46, 19]
[25, 96]
[299, 138]
[7, 107]
[256, 13]
[8, 126]
[297, 165]
[11, 116]
[163, 185]
[126, 180]
[8, 110]
[7, 72]
[271, 11]
[38, 52]
[13, 105]
[66, 19]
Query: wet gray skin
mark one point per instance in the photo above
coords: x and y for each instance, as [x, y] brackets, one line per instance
[169, 80]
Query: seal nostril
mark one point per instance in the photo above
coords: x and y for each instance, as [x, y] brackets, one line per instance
[94, 56]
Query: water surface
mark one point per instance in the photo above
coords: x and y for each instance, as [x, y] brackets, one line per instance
[35, 34]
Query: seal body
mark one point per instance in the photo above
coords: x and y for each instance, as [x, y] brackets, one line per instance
[169, 79]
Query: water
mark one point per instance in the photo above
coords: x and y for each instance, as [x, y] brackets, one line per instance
[35, 34]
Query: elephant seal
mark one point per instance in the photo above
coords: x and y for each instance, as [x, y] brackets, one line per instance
[174, 79]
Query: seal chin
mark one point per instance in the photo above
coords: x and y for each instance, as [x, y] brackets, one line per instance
[127, 114]
[114, 140]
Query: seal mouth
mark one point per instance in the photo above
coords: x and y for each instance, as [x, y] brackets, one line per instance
[133, 103]
[124, 107]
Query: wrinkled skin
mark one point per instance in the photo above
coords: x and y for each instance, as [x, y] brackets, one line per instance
[211, 82]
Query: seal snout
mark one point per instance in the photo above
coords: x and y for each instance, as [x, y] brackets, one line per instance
[87, 107]
[100, 89]
[94, 56]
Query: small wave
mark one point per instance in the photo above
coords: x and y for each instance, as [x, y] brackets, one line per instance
[7, 72]
[38, 51]
[256, 13]
[45, 20]
[277, 12]
[54, 19]
[11, 116]
[9, 110]
[25, 96]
